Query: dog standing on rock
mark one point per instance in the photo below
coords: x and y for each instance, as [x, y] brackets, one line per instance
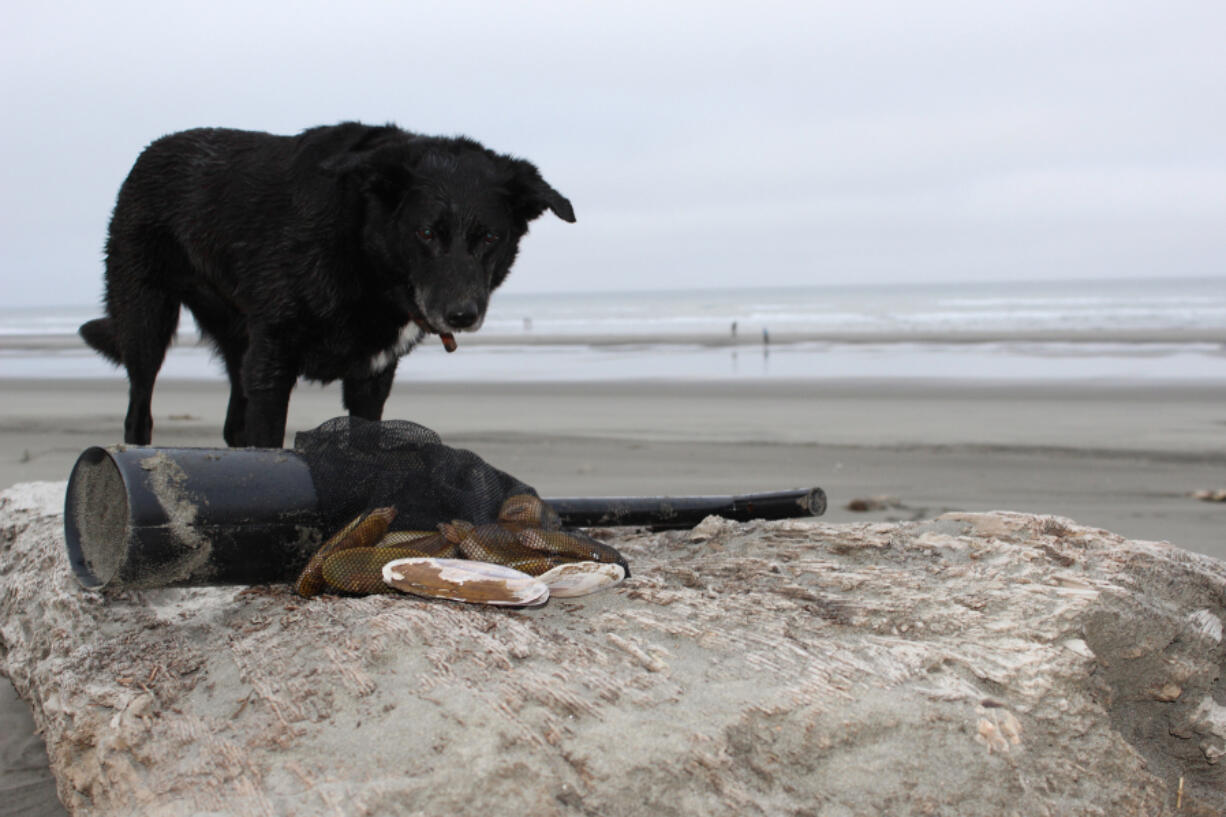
[325, 255]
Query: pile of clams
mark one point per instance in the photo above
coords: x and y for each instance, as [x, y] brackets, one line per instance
[519, 560]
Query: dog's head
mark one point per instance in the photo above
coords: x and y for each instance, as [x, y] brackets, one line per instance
[442, 222]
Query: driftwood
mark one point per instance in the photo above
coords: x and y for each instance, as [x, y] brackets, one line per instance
[988, 664]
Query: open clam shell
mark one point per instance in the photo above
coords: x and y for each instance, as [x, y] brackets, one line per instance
[465, 580]
[581, 578]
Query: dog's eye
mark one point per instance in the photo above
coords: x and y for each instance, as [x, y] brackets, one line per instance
[490, 238]
[425, 234]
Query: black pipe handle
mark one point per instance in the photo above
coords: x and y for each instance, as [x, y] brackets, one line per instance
[687, 511]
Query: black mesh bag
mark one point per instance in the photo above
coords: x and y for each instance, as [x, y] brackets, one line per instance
[373, 479]
[358, 465]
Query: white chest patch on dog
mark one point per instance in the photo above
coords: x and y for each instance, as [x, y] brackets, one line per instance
[410, 335]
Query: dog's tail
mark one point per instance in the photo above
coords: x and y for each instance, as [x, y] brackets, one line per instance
[100, 335]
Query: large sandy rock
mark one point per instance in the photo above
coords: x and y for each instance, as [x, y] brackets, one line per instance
[990, 664]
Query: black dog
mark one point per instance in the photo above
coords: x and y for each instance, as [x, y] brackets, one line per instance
[327, 255]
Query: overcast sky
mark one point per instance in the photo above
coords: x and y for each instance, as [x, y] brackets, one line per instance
[702, 143]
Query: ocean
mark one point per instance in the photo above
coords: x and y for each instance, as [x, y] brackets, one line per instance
[1121, 330]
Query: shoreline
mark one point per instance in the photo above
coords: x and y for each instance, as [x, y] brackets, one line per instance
[1160, 364]
[749, 338]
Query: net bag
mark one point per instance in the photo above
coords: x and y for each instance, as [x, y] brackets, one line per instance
[358, 465]
[376, 480]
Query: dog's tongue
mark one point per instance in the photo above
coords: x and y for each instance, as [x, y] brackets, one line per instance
[448, 339]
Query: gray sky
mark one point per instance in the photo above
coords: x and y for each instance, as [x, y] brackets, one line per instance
[702, 143]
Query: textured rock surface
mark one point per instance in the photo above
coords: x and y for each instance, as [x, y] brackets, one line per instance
[987, 664]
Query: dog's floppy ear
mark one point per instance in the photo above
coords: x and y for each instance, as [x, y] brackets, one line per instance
[531, 195]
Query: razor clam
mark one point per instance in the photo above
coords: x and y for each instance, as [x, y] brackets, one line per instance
[364, 531]
[581, 578]
[465, 580]
[494, 543]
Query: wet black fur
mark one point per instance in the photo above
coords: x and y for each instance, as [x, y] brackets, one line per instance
[309, 255]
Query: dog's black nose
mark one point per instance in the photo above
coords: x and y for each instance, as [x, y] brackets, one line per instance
[463, 316]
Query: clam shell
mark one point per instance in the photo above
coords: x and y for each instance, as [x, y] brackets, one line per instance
[465, 580]
[580, 578]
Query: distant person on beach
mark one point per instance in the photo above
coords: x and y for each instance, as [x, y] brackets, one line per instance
[734, 330]
[766, 336]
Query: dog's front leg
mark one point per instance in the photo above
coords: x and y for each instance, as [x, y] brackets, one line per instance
[365, 395]
[270, 370]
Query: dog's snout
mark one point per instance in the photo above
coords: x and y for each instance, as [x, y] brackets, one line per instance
[463, 316]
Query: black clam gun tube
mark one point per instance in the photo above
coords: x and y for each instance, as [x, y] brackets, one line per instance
[687, 511]
[156, 517]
